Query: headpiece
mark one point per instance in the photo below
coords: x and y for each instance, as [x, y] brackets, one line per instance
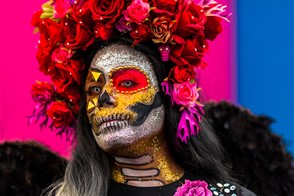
[178, 28]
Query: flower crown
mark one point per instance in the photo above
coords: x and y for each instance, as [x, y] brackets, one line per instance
[179, 28]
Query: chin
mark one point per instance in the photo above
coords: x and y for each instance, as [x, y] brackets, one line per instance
[117, 140]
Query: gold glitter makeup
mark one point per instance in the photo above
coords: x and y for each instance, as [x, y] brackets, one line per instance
[161, 159]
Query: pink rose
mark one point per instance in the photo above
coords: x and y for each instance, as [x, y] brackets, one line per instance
[185, 94]
[137, 12]
[191, 188]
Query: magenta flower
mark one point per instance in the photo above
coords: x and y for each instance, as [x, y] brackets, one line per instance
[123, 25]
[137, 12]
[185, 94]
[193, 188]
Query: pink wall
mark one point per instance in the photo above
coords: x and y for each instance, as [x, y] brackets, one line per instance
[19, 70]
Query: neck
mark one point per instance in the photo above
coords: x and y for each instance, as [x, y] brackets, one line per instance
[146, 164]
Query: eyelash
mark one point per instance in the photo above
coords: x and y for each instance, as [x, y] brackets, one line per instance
[133, 83]
[90, 91]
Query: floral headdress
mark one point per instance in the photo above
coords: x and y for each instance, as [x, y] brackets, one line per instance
[179, 28]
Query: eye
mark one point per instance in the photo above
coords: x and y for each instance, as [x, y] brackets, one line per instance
[94, 90]
[129, 79]
[127, 83]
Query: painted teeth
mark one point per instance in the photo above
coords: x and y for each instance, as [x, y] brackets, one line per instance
[112, 126]
[101, 120]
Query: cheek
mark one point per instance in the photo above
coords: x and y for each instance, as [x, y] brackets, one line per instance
[144, 96]
[126, 101]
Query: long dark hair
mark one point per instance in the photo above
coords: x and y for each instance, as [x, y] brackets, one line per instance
[89, 170]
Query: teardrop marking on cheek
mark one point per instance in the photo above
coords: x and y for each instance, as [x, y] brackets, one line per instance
[129, 73]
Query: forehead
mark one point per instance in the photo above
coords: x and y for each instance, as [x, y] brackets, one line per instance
[116, 55]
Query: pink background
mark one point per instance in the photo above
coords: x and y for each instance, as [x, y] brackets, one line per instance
[19, 70]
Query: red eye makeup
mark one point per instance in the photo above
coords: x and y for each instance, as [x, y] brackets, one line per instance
[129, 80]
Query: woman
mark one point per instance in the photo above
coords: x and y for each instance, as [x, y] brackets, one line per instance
[141, 129]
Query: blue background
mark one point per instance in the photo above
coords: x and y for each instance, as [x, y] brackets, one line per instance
[266, 61]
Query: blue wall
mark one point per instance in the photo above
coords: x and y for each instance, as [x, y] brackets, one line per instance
[266, 61]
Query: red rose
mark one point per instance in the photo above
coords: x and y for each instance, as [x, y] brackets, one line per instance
[167, 5]
[190, 52]
[82, 8]
[213, 27]
[190, 20]
[50, 35]
[77, 34]
[72, 96]
[42, 93]
[36, 20]
[105, 13]
[60, 114]
[44, 54]
[51, 30]
[61, 55]
[103, 32]
[162, 28]
[64, 76]
[107, 10]
[140, 32]
[180, 74]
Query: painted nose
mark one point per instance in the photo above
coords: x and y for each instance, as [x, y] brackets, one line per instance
[106, 100]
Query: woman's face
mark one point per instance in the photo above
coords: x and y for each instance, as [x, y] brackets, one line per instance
[123, 101]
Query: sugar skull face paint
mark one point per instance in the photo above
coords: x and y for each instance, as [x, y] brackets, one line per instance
[123, 101]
